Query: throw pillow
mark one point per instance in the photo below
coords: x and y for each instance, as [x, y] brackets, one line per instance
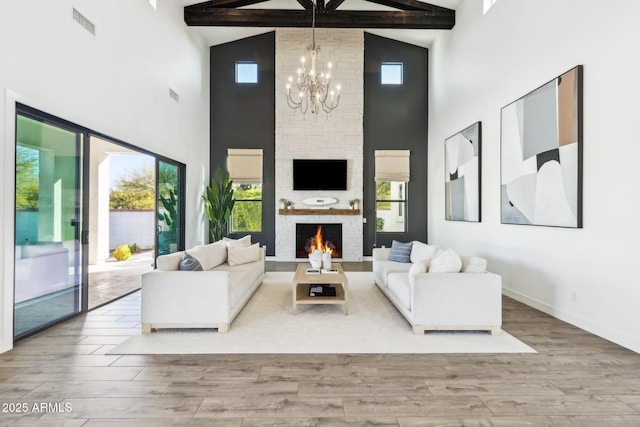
[238, 243]
[189, 263]
[400, 252]
[421, 251]
[216, 254]
[244, 255]
[447, 262]
[473, 264]
[210, 256]
[201, 254]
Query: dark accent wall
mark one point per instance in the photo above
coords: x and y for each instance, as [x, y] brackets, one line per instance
[395, 118]
[243, 116]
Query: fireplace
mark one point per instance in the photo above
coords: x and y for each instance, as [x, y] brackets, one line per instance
[318, 236]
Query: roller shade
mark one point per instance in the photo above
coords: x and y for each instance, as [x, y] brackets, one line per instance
[392, 165]
[245, 165]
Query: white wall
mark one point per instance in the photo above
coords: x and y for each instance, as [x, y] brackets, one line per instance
[338, 135]
[116, 82]
[584, 276]
[129, 227]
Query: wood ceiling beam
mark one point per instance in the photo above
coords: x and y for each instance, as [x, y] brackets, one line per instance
[222, 3]
[285, 18]
[411, 5]
[307, 4]
[333, 4]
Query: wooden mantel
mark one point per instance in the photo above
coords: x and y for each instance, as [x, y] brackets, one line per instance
[329, 211]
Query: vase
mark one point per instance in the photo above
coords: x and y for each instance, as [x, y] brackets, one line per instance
[315, 258]
[326, 260]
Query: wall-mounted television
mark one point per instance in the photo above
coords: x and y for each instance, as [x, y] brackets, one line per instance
[319, 174]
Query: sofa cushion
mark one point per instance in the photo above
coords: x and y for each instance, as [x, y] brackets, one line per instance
[400, 252]
[243, 255]
[381, 269]
[241, 278]
[399, 287]
[473, 264]
[210, 256]
[189, 263]
[421, 251]
[417, 268]
[169, 262]
[238, 243]
[446, 262]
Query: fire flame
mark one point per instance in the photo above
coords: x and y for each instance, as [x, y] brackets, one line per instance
[318, 243]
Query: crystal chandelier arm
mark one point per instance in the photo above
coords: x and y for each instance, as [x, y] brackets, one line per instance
[300, 103]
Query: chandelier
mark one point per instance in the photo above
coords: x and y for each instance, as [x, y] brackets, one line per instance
[313, 90]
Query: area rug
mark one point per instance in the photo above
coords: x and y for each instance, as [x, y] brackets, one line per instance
[267, 325]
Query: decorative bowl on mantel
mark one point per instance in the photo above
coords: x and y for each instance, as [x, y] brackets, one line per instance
[320, 201]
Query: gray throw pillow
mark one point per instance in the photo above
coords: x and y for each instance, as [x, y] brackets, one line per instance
[189, 263]
[400, 252]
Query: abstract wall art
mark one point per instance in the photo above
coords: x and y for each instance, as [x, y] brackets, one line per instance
[541, 155]
[462, 175]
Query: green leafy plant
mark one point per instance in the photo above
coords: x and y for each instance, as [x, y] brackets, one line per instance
[122, 252]
[170, 204]
[218, 203]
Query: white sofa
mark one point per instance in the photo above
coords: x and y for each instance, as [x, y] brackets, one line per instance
[211, 298]
[463, 300]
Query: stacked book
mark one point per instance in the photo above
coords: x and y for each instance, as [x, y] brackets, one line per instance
[322, 291]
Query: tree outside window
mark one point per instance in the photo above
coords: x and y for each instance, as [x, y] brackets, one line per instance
[391, 206]
[27, 178]
[247, 211]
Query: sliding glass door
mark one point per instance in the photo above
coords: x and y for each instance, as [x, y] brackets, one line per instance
[48, 260]
[76, 200]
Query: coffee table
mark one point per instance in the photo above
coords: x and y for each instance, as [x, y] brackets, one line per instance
[302, 281]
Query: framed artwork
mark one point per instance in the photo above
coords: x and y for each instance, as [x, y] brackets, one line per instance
[462, 175]
[541, 155]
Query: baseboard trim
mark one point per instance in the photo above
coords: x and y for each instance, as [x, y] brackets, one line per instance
[607, 333]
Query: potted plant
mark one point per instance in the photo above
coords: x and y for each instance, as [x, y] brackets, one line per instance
[218, 203]
[283, 203]
[354, 203]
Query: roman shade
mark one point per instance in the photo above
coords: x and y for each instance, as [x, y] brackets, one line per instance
[392, 165]
[245, 165]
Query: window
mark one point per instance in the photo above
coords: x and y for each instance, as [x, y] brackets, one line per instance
[391, 206]
[391, 73]
[246, 72]
[247, 211]
[245, 170]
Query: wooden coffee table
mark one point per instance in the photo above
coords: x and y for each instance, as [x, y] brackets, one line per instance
[302, 281]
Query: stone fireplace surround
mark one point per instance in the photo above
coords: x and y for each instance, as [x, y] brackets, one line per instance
[338, 135]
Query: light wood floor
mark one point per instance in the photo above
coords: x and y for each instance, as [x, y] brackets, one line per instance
[576, 379]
